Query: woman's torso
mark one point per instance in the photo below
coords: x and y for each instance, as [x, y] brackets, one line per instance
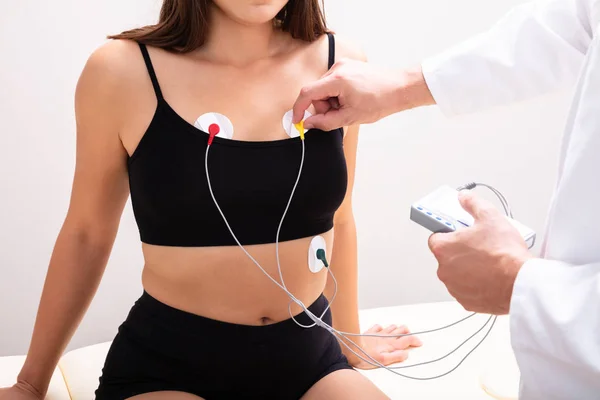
[190, 262]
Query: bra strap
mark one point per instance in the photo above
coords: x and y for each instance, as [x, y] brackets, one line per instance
[331, 49]
[151, 71]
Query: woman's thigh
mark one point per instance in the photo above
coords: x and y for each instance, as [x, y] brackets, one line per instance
[345, 384]
[166, 395]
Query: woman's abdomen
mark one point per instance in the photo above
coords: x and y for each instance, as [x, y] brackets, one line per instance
[222, 283]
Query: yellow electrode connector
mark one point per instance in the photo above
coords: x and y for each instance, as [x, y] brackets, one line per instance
[300, 127]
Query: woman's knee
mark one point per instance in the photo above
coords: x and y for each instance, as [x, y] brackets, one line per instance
[345, 384]
[166, 395]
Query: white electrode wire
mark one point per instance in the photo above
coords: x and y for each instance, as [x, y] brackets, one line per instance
[235, 237]
[450, 353]
[503, 201]
[376, 363]
[285, 213]
[412, 333]
[318, 321]
[342, 336]
[326, 309]
[277, 250]
[313, 317]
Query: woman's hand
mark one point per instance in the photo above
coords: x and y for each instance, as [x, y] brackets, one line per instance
[21, 391]
[385, 350]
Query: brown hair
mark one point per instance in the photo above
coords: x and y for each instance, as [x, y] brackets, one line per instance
[183, 24]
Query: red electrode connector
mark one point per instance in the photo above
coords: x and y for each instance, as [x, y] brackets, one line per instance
[213, 130]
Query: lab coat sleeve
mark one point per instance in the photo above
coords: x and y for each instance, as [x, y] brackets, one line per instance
[555, 329]
[534, 49]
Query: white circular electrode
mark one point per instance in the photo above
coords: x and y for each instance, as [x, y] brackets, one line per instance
[288, 125]
[205, 121]
[314, 264]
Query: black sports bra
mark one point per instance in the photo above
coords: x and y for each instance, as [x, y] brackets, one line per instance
[252, 182]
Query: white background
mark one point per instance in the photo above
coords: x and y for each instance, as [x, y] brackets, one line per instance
[44, 45]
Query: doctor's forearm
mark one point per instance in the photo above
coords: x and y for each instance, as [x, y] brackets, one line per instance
[412, 90]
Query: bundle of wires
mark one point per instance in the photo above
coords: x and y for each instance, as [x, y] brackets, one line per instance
[345, 337]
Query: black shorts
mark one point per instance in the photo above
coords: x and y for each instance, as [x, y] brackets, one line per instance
[160, 348]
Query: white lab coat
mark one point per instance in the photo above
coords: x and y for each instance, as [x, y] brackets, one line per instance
[555, 309]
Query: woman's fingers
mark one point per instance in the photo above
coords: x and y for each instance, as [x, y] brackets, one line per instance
[406, 342]
[394, 357]
[401, 330]
[402, 341]
[375, 329]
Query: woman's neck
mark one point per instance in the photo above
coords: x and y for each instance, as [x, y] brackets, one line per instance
[237, 44]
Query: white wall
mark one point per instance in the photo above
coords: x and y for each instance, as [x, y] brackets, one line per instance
[43, 47]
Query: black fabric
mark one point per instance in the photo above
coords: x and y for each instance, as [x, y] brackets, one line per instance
[151, 71]
[160, 348]
[252, 182]
[331, 50]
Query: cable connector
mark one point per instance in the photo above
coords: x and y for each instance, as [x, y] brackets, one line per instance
[300, 127]
[468, 186]
[321, 256]
[320, 323]
[213, 130]
[503, 201]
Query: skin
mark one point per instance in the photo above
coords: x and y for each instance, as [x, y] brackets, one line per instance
[478, 265]
[115, 102]
[354, 92]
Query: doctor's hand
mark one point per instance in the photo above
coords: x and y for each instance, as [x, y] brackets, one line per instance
[479, 265]
[354, 92]
[385, 350]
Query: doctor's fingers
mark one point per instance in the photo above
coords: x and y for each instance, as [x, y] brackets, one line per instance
[323, 89]
[478, 207]
[322, 106]
[331, 120]
[442, 245]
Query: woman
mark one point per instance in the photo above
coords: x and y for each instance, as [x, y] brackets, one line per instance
[210, 324]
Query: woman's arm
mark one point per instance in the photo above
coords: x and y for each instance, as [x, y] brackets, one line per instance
[99, 193]
[344, 256]
[344, 265]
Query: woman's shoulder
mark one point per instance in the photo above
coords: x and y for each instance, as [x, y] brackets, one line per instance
[113, 73]
[117, 63]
